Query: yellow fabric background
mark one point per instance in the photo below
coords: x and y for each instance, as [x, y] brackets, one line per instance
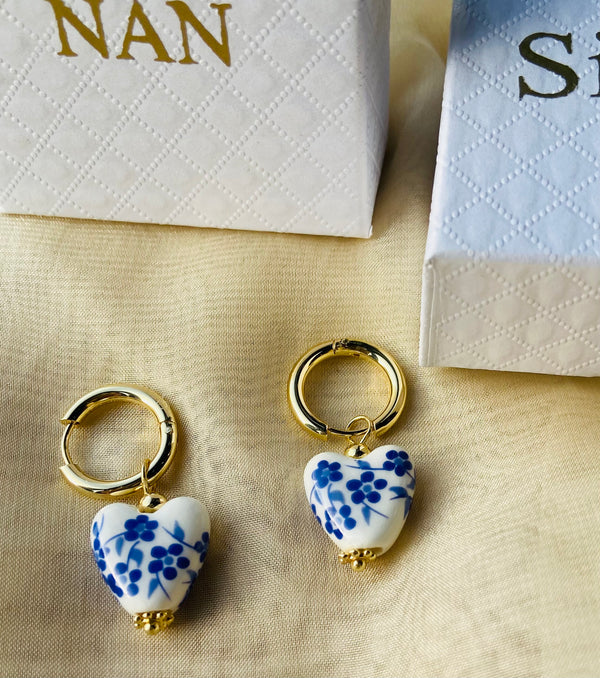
[497, 572]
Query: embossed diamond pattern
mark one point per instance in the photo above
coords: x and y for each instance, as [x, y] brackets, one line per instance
[512, 268]
[289, 138]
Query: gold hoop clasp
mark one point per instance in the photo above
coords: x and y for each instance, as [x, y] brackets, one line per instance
[359, 349]
[150, 473]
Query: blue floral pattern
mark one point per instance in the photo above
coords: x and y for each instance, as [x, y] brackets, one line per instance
[100, 557]
[202, 546]
[350, 493]
[142, 570]
[326, 473]
[398, 462]
[140, 527]
[366, 488]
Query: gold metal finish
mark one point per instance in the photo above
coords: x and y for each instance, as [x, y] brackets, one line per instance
[153, 622]
[155, 468]
[357, 558]
[355, 348]
[358, 449]
[151, 501]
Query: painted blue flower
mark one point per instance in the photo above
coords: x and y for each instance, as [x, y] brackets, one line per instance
[114, 587]
[125, 578]
[140, 527]
[134, 577]
[326, 473]
[366, 488]
[128, 580]
[99, 555]
[330, 528]
[398, 462]
[202, 546]
[167, 560]
[341, 517]
[349, 522]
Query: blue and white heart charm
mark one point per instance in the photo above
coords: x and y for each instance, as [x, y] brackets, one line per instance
[362, 504]
[150, 560]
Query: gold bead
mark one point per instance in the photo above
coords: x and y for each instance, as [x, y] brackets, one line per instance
[357, 451]
[150, 502]
[358, 565]
[153, 622]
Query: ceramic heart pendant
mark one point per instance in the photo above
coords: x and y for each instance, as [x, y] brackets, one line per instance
[362, 504]
[150, 560]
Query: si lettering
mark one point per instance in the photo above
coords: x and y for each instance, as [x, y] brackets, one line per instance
[568, 76]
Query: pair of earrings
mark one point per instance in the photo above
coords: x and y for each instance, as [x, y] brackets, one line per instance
[149, 556]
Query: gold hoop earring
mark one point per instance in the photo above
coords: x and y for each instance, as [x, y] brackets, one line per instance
[150, 555]
[361, 502]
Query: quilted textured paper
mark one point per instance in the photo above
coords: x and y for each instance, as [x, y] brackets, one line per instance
[512, 268]
[288, 136]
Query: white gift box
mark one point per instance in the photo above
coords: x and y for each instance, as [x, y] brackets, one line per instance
[512, 267]
[251, 114]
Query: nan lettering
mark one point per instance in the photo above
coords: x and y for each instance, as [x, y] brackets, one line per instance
[141, 30]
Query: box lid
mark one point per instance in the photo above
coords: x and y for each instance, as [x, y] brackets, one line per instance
[255, 115]
[513, 253]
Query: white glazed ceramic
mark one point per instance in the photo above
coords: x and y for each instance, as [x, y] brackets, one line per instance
[150, 560]
[361, 504]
